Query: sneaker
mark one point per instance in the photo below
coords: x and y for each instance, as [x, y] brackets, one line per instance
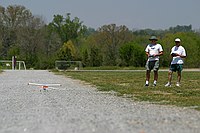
[154, 84]
[168, 85]
[146, 85]
[177, 84]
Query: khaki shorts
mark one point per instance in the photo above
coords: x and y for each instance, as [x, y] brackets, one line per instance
[152, 65]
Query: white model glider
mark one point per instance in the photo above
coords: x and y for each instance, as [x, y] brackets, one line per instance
[44, 86]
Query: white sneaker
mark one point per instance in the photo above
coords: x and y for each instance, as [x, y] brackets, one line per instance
[177, 84]
[168, 85]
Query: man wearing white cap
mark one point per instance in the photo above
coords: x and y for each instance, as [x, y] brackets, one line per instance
[178, 53]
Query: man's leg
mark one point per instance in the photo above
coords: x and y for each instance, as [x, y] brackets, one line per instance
[147, 77]
[148, 71]
[169, 78]
[170, 72]
[155, 68]
[179, 70]
[178, 78]
[155, 77]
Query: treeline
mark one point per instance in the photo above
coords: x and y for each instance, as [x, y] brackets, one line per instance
[39, 44]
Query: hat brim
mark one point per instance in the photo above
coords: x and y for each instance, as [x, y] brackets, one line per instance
[153, 39]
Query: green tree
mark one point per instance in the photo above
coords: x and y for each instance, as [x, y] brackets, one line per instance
[66, 28]
[132, 55]
[95, 56]
[68, 51]
[21, 33]
[110, 38]
[85, 58]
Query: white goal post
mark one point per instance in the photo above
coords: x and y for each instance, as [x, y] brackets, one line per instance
[8, 64]
[68, 65]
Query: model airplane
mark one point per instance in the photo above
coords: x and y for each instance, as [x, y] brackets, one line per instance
[44, 86]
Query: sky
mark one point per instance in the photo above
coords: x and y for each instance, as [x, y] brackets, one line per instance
[135, 14]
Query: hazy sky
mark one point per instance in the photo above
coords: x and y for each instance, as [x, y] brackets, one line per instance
[135, 14]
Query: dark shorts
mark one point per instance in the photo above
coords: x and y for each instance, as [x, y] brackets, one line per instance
[152, 65]
[176, 67]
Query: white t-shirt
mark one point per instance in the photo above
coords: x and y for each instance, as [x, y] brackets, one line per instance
[178, 50]
[153, 49]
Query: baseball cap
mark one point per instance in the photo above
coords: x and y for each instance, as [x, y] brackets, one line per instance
[177, 40]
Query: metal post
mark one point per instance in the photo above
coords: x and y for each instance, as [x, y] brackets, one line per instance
[13, 62]
[19, 65]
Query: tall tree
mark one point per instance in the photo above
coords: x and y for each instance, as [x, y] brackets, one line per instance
[111, 37]
[12, 19]
[85, 58]
[67, 28]
[22, 34]
[95, 56]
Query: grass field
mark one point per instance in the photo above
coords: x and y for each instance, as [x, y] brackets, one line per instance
[131, 85]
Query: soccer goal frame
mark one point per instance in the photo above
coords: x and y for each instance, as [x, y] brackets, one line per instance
[8, 64]
[68, 65]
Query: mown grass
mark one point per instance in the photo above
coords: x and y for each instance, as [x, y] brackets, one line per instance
[112, 68]
[131, 84]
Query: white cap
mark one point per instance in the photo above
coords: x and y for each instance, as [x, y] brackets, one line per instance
[177, 40]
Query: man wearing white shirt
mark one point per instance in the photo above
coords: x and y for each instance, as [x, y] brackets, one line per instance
[153, 52]
[178, 53]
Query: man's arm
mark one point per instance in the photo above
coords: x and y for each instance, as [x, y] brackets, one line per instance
[180, 55]
[148, 55]
[175, 54]
[160, 53]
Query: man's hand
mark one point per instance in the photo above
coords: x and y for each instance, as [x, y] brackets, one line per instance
[175, 54]
[151, 55]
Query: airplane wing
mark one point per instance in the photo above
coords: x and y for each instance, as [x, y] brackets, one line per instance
[41, 84]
